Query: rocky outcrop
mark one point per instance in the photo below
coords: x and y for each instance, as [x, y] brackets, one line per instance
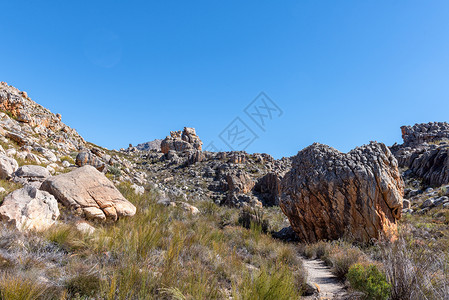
[425, 133]
[90, 194]
[181, 141]
[34, 119]
[153, 145]
[425, 152]
[432, 166]
[328, 194]
[29, 209]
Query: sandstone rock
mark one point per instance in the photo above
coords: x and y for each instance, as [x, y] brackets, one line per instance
[181, 141]
[89, 193]
[8, 166]
[29, 208]
[425, 133]
[268, 188]
[87, 158]
[239, 182]
[328, 194]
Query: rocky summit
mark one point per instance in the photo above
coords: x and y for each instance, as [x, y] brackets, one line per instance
[328, 194]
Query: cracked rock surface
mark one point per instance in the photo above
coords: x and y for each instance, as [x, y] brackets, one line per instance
[89, 193]
[328, 194]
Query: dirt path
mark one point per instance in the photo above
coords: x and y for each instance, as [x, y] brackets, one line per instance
[320, 275]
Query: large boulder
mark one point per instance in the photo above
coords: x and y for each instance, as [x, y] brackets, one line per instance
[328, 194]
[8, 166]
[181, 141]
[29, 209]
[89, 193]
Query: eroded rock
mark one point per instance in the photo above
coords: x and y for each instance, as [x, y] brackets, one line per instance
[329, 194]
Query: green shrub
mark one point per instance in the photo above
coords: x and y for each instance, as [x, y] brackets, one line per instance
[114, 171]
[369, 280]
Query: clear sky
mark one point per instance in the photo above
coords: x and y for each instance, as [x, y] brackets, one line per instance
[343, 73]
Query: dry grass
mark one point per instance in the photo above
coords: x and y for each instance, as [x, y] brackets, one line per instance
[160, 253]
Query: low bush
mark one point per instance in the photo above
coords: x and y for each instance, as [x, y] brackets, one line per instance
[342, 258]
[369, 280]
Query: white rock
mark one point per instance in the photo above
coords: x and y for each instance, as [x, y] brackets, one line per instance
[138, 190]
[29, 208]
[8, 166]
[11, 152]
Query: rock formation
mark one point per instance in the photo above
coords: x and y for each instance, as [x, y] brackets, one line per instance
[89, 193]
[425, 151]
[328, 194]
[153, 145]
[425, 133]
[181, 141]
[29, 209]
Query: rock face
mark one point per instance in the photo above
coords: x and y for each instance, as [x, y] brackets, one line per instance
[29, 209]
[328, 194]
[8, 166]
[181, 141]
[425, 151]
[425, 133]
[89, 193]
[153, 145]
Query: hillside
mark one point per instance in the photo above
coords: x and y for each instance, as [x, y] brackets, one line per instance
[167, 220]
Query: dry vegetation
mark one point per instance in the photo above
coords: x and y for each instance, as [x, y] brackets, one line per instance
[162, 253]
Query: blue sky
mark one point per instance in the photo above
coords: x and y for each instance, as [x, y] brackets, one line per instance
[342, 72]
